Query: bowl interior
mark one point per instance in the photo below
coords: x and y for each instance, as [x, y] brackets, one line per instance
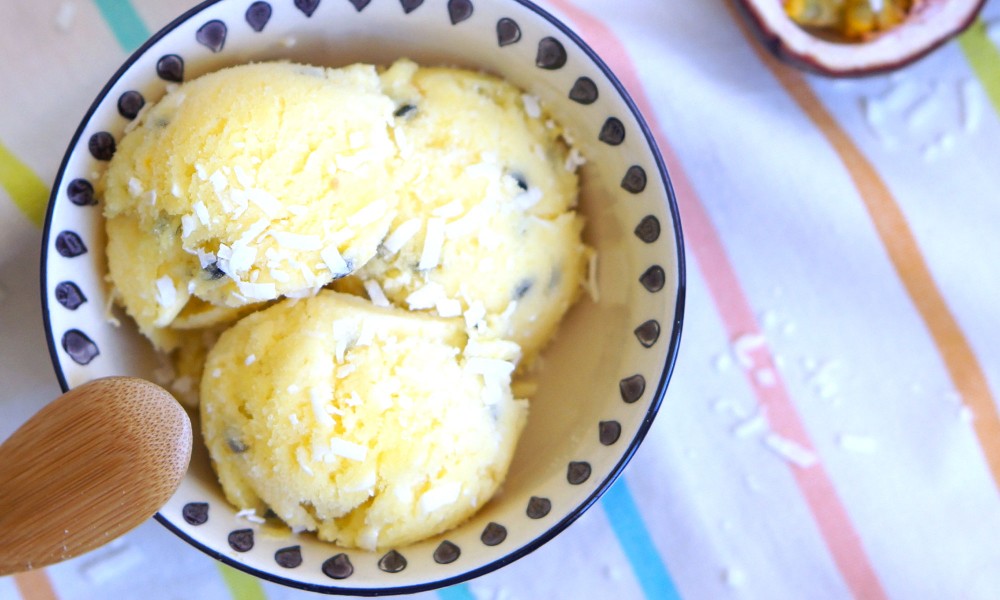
[605, 373]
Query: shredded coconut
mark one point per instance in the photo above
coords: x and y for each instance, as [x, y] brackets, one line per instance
[257, 291]
[242, 177]
[345, 370]
[501, 349]
[357, 139]
[219, 182]
[439, 496]
[345, 332]
[531, 105]
[508, 312]
[366, 335]
[574, 160]
[238, 203]
[297, 241]
[135, 188]
[528, 198]
[745, 344]
[201, 211]
[188, 225]
[205, 259]
[492, 367]
[790, 450]
[334, 261]
[166, 291]
[426, 297]
[450, 210]
[433, 243]
[254, 231]
[139, 118]
[402, 234]
[303, 460]
[367, 482]
[766, 377]
[368, 538]
[241, 258]
[348, 450]
[448, 307]
[319, 398]
[266, 202]
[376, 294]
[751, 427]
[369, 214]
[250, 514]
[475, 316]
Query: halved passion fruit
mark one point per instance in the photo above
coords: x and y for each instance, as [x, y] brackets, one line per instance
[847, 38]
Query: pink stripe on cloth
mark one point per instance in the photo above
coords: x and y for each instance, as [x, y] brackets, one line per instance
[839, 534]
[35, 585]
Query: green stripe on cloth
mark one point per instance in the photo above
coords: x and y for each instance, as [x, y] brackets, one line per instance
[984, 57]
[241, 585]
[124, 22]
[27, 191]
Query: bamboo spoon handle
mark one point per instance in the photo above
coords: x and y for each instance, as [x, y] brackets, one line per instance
[92, 465]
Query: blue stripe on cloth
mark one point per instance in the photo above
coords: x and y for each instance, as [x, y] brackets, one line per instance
[124, 22]
[647, 564]
[456, 592]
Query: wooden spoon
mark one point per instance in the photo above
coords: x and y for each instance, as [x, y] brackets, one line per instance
[95, 463]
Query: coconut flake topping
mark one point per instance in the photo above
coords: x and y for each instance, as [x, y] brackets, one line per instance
[426, 297]
[348, 450]
[376, 294]
[334, 261]
[265, 201]
[369, 214]
[402, 234]
[439, 496]
[166, 291]
[433, 243]
[297, 241]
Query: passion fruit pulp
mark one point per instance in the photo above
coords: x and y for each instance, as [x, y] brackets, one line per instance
[853, 38]
[853, 19]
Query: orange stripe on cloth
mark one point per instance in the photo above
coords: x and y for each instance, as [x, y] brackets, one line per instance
[904, 252]
[35, 585]
[834, 524]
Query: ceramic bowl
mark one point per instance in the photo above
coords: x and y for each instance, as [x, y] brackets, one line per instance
[605, 374]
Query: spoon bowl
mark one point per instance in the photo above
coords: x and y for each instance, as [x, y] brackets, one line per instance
[92, 465]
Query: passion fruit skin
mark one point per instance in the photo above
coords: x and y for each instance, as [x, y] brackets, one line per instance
[774, 35]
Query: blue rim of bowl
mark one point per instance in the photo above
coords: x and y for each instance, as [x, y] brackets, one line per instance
[657, 400]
